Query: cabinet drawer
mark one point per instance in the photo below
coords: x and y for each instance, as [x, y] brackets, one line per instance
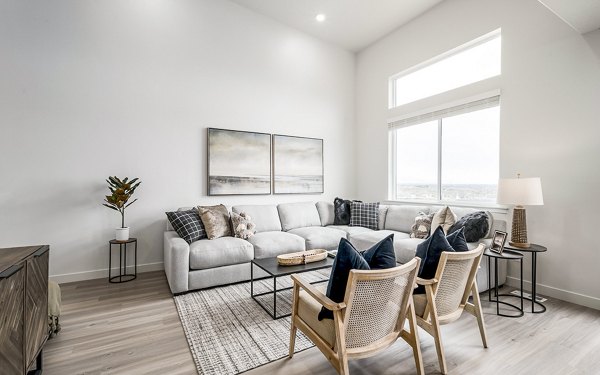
[12, 282]
[36, 304]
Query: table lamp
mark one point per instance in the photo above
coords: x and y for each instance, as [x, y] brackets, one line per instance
[520, 192]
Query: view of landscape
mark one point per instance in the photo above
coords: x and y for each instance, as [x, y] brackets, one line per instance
[450, 192]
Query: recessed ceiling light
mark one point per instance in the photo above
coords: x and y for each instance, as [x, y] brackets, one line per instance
[321, 17]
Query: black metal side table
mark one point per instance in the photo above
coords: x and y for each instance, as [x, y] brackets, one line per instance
[507, 255]
[534, 249]
[123, 276]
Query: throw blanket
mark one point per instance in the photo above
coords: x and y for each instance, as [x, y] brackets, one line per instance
[54, 305]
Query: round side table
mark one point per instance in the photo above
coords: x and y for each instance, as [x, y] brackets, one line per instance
[534, 249]
[123, 276]
[507, 255]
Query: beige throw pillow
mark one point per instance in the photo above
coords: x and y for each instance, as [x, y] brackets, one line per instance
[216, 221]
[444, 217]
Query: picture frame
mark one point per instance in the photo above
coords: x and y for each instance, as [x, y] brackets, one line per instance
[238, 162]
[498, 241]
[298, 166]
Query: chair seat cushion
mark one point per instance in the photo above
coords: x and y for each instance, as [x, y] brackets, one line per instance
[320, 237]
[308, 311]
[350, 230]
[271, 244]
[420, 301]
[222, 251]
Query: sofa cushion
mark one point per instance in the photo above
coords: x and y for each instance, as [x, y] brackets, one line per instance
[445, 218]
[382, 214]
[381, 255]
[216, 221]
[475, 226]
[271, 244]
[350, 230]
[265, 217]
[422, 226]
[326, 212]
[187, 224]
[364, 215]
[219, 252]
[457, 240]
[401, 218]
[298, 215]
[363, 241]
[347, 259]
[320, 237]
[405, 249]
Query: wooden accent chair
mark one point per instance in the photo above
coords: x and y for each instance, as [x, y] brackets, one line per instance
[447, 294]
[370, 319]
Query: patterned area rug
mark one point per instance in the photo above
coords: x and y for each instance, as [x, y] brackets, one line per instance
[229, 333]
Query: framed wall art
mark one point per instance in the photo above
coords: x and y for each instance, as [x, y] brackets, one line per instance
[297, 165]
[239, 162]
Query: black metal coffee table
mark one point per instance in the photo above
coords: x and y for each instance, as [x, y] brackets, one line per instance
[271, 267]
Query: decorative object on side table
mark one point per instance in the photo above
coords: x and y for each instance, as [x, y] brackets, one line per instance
[498, 241]
[123, 276]
[118, 200]
[520, 192]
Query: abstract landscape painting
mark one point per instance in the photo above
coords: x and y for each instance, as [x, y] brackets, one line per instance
[238, 162]
[298, 165]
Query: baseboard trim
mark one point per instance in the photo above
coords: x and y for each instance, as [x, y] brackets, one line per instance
[102, 273]
[561, 294]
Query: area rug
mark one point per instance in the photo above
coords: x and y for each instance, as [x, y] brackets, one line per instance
[229, 333]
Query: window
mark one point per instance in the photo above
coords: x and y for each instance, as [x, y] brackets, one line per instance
[472, 62]
[449, 155]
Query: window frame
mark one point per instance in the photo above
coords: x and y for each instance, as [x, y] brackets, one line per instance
[393, 160]
[464, 47]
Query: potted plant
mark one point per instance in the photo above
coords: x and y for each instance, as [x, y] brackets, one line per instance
[121, 191]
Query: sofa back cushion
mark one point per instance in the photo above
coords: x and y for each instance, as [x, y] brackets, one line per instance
[298, 215]
[326, 212]
[401, 218]
[265, 217]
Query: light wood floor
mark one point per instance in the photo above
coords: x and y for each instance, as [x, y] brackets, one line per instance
[133, 328]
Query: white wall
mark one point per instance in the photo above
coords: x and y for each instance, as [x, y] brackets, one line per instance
[550, 117]
[128, 87]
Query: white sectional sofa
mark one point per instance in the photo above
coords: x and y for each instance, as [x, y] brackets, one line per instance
[290, 227]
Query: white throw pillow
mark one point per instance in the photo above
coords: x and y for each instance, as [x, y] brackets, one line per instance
[444, 217]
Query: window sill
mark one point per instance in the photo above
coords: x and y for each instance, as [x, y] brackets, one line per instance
[492, 207]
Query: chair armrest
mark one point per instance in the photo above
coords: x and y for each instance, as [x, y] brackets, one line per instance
[426, 281]
[317, 294]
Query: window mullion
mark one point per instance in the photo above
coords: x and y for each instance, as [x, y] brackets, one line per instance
[439, 176]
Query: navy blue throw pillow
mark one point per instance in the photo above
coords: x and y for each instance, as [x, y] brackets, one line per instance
[430, 251]
[381, 255]
[457, 240]
[346, 259]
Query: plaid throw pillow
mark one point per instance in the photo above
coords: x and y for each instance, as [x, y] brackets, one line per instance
[187, 224]
[364, 215]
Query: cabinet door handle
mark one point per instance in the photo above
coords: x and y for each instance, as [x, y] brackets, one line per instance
[10, 271]
[41, 251]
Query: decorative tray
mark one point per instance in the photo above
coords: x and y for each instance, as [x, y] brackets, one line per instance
[301, 257]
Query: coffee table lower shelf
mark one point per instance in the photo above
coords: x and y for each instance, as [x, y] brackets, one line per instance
[274, 271]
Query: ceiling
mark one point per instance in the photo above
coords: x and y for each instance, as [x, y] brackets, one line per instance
[582, 15]
[355, 24]
[351, 24]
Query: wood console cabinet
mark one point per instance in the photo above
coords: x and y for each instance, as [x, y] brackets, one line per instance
[23, 308]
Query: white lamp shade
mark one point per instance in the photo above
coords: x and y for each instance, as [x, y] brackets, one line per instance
[520, 191]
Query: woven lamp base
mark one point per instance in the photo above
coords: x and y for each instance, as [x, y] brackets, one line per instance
[518, 236]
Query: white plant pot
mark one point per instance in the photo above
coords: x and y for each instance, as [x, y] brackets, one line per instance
[122, 234]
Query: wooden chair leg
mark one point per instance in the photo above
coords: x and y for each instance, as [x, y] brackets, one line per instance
[435, 330]
[479, 314]
[293, 329]
[414, 337]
